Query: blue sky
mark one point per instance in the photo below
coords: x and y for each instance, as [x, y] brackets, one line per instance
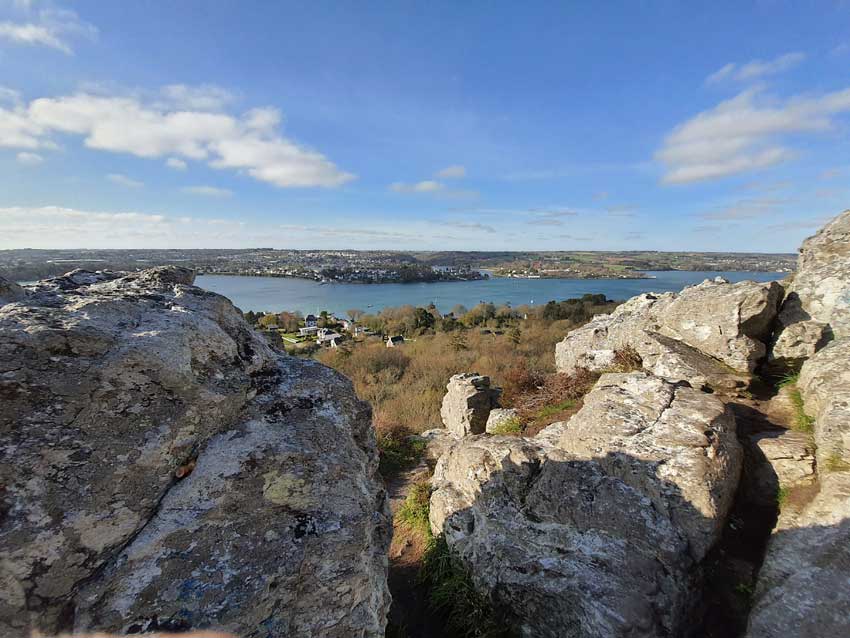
[413, 125]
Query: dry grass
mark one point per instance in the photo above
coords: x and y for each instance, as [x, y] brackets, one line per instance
[406, 385]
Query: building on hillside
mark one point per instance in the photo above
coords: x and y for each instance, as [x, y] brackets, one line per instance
[362, 330]
[329, 338]
[392, 342]
[310, 321]
[306, 331]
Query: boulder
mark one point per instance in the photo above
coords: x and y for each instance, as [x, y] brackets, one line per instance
[499, 418]
[818, 296]
[467, 403]
[597, 526]
[785, 458]
[727, 324]
[824, 385]
[165, 469]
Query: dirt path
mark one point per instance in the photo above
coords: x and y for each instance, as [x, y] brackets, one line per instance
[731, 569]
[410, 614]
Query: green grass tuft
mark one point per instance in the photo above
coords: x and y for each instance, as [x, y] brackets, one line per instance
[414, 512]
[468, 612]
[398, 452]
[555, 408]
[782, 496]
[508, 426]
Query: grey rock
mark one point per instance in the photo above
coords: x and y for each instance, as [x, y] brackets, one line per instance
[164, 468]
[789, 460]
[599, 528]
[437, 442]
[802, 587]
[467, 403]
[819, 293]
[10, 291]
[824, 385]
[729, 323]
[499, 417]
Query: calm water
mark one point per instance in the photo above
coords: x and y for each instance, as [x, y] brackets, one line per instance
[278, 293]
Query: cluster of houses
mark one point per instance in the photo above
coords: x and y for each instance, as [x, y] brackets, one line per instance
[331, 338]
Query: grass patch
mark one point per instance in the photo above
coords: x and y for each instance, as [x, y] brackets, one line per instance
[398, 452]
[802, 421]
[467, 611]
[508, 427]
[413, 513]
[836, 463]
[556, 408]
[782, 495]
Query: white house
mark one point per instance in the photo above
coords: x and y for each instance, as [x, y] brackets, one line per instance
[327, 337]
[306, 331]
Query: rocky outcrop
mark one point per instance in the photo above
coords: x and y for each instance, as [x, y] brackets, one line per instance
[163, 468]
[709, 334]
[597, 526]
[467, 403]
[817, 308]
[803, 580]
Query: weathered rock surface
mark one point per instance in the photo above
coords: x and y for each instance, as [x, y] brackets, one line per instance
[818, 305]
[595, 527]
[802, 588]
[467, 403]
[10, 291]
[499, 418]
[163, 468]
[714, 330]
[789, 457]
[824, 384]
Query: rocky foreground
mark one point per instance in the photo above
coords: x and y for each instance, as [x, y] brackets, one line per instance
[602, 525]
[164, 469]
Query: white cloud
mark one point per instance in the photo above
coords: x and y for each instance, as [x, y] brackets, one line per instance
[207, 191]
[742, 134]
[61, 227]
[29, 159]
[427, 186]
[249, 144]
[205, 97]
[176, 163]
[452, 172]
[756, 68]
[123, 180]
[52, 28]
[745, 209]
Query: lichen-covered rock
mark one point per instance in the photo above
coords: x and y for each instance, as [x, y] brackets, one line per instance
[597, 526]
[163, 468]
[802, 587]
[788, 461]
[500, 418]
[467, 403]
[818, 297]
[824, 385]
[729, 323]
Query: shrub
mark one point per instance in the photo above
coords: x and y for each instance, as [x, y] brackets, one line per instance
[397, 450]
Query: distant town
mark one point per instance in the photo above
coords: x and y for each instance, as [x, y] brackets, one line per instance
[376, 267]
